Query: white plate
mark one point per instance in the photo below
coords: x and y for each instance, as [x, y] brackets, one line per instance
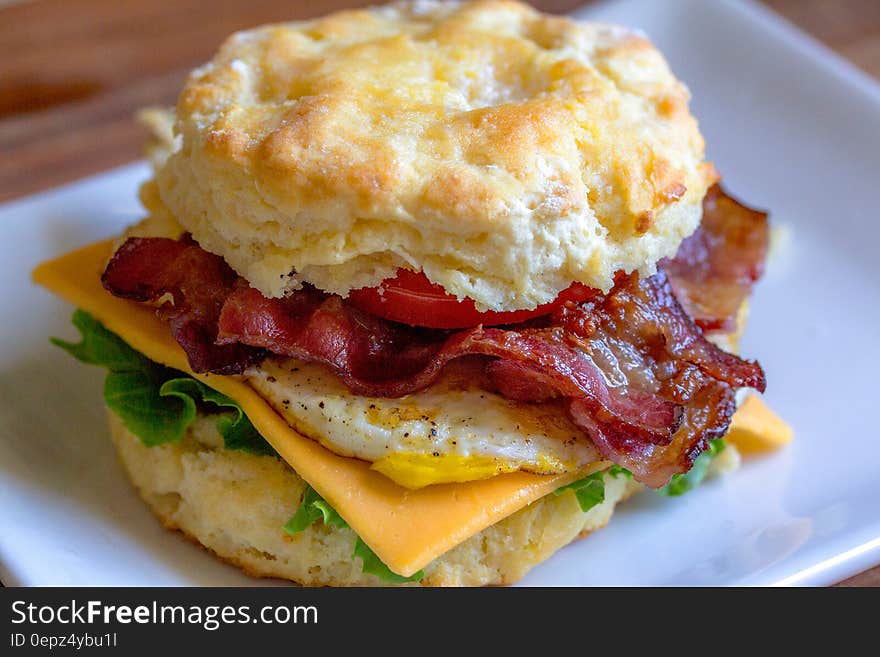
[792, 128]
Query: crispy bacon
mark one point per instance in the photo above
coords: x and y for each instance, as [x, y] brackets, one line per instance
[642, 339]
[634, 370]
[715, 268]
[191, 286]
[378, 358]
[371, 355]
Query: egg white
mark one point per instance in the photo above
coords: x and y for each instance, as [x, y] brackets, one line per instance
[468, 432]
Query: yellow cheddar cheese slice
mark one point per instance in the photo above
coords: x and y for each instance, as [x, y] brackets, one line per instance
[756, 428]
[407, 529]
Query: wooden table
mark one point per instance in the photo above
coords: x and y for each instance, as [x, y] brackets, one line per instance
[72, 72]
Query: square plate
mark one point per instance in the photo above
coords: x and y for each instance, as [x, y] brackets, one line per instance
[791, 127]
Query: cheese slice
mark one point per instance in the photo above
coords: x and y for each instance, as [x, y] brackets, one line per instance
[756, 428]
[407, 529]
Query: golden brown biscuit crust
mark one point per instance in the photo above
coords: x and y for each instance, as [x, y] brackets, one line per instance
[504, 152]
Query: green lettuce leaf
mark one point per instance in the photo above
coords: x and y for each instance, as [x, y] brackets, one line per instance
[683, 483]
[314, 507]
[373, 565]
[236, 428]
[589, 491]
[154, 402]
[99, 346]
[136, 399]
[618, 471]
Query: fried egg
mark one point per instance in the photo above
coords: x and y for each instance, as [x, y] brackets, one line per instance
[451, 431]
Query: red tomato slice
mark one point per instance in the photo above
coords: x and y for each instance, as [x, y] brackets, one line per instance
[410, 298]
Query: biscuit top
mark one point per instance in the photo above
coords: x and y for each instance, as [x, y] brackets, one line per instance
[504, 152]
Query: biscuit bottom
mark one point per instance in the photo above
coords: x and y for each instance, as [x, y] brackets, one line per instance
[234, 504]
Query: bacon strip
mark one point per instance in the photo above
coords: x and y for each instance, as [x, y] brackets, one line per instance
[372, 356]
[198, 282]
[641, 335]
[378, 358]
[715, 268]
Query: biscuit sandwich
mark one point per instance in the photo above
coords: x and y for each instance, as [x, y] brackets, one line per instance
[423, 291]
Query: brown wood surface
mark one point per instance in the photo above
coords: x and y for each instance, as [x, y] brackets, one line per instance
[73, 72]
